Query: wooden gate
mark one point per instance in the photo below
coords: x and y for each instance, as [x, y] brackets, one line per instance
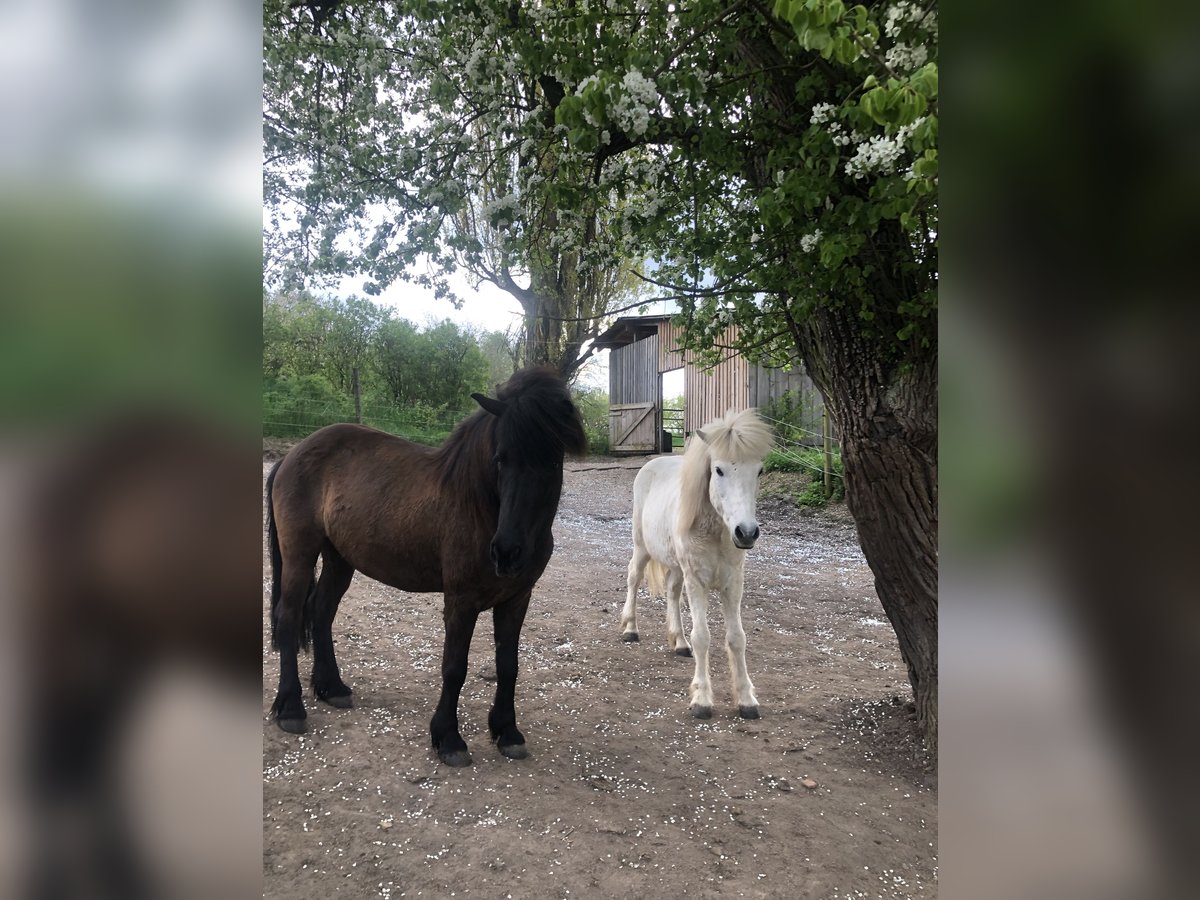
[633, 427]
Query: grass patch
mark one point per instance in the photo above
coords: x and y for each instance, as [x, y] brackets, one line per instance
[810, 462]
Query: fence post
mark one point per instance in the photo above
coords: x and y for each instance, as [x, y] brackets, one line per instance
[357, 396]
[825, 436]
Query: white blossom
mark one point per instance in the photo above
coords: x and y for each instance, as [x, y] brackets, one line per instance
[904, 12]
[880, 154]
[907, 57]
[503, 210]
[820, 113]
[582, 86]
[631, 107]
[809, 242]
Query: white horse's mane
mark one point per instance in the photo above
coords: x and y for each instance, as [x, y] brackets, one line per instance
[737, 437]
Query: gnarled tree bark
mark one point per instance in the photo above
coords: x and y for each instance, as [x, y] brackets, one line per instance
[886, 414]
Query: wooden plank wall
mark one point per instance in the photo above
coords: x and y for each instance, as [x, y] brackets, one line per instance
[767, 385]
[734, 383]
[669, 355]
[633, 378]
[633, 372]
[711, 393]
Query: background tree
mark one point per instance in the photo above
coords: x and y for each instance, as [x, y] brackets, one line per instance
[296, 330]
[455, 365]
[309, 340]
[389, 143]
[353, 324]
[779, 163]
[399, 360]
[500, 349]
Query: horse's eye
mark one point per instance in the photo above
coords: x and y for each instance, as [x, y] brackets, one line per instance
[719, 472]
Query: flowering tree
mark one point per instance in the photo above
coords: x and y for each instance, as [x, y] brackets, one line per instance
[402, 144]
[779, 162]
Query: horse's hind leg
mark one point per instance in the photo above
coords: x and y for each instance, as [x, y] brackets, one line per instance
[675, 635]
[637, 568]
[288, 707]
[335, 578]
[507, 619]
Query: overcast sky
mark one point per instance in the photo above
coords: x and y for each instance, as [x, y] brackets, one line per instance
[487, 307]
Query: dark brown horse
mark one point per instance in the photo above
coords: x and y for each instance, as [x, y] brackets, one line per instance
[470, 518]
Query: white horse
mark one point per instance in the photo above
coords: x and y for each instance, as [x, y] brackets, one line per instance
[693, 521]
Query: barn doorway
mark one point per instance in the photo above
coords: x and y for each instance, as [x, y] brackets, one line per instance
[672, 402]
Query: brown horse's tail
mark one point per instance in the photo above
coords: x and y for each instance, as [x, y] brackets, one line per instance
[276, 556]
[306, 611]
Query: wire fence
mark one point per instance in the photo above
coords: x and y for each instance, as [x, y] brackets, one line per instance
[784, 428]
[794, 451]
[286, 416]
[295, 417]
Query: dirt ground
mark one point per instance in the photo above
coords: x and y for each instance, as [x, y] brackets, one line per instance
[624, 793]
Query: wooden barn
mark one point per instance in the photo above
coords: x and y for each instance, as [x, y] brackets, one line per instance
[644, 347]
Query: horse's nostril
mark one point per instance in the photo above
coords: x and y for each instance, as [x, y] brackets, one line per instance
[742, 536]
[505, 557]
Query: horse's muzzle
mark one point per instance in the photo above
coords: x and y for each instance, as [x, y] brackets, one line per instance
[507, 559]
[744, 538]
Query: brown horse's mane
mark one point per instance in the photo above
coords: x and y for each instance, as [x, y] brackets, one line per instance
[540, 424]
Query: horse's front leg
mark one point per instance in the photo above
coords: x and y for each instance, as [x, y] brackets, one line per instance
[507, 619]
[443, 728]
[735, 644]
[675, 638]
[701, 689]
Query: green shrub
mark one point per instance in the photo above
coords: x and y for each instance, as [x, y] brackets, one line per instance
[811, 462]
[776, 461]
[786, 413]
[296, 407]
[420, 423]
[593, 410]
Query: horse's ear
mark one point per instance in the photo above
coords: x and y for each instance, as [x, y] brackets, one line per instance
[700, 433]
[495, 407]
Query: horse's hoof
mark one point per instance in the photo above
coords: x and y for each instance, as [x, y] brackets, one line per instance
[683, 651]
[293, 726]
[514, 751]
[748, 712]
[455, 758]
[630, 637]
[345, 701]
[702, 712]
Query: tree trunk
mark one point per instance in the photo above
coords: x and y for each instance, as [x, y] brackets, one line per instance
[887, 421]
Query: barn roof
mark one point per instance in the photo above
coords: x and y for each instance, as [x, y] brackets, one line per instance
[628, 329]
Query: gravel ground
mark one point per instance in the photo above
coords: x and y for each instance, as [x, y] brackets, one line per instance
[624, 793]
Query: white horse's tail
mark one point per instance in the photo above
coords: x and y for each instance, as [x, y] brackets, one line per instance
[656, 578]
